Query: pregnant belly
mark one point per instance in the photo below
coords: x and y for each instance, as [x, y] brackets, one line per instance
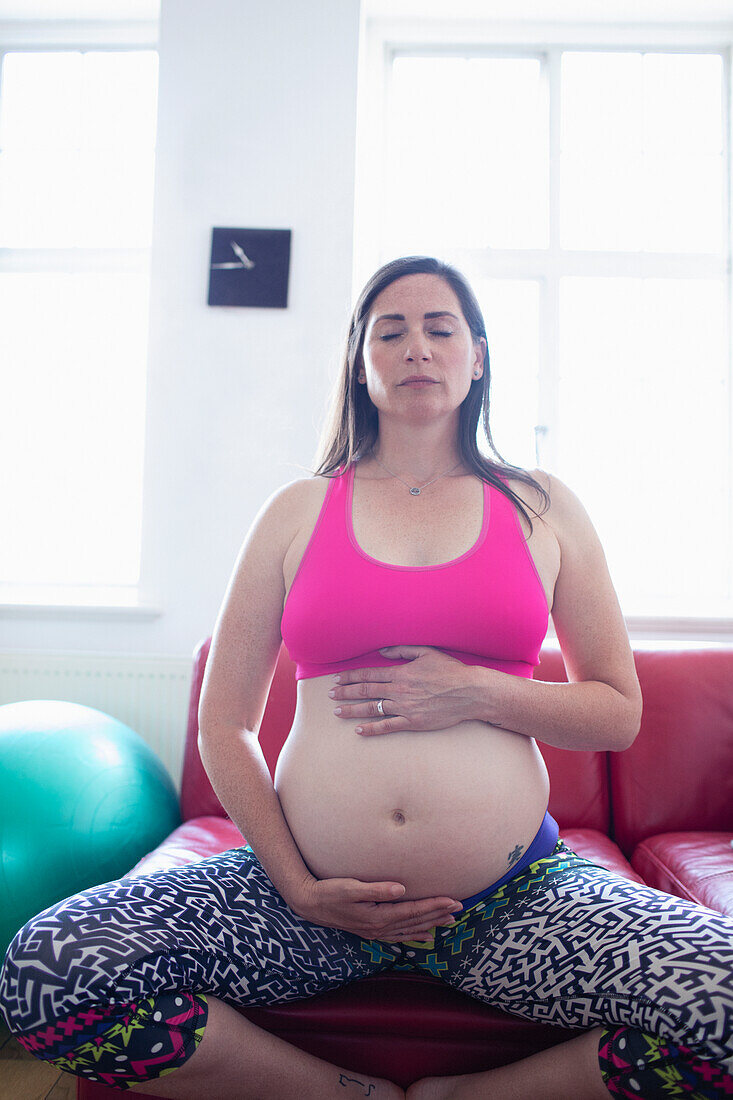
[444, 812]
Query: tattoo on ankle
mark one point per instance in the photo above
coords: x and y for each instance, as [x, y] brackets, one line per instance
[345, 1081]
[514, 856]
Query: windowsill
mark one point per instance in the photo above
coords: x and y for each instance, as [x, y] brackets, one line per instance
[685, 630]
[79, 611]
[676, 625]
[97, 601]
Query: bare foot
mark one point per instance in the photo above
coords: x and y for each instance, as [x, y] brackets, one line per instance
[431, 1088]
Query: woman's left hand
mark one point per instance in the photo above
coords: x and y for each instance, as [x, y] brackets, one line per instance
[432, 692]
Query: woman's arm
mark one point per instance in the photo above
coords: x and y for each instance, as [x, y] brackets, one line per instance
[600, 707]
[239, 672]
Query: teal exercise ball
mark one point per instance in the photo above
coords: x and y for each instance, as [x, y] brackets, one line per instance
[82, 799]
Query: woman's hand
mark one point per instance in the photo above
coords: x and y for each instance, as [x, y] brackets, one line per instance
[432, 692]
[369, 909]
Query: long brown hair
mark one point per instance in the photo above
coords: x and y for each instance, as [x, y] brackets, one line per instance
[352, 423]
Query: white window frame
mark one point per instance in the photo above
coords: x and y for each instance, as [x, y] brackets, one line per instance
[382, 40]
[48, 36]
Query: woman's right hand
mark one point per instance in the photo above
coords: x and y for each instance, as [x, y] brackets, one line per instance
[371, 910]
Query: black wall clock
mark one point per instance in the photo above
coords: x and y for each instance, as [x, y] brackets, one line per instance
[249, 267]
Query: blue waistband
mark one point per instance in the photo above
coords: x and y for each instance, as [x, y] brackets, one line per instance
[542, 845]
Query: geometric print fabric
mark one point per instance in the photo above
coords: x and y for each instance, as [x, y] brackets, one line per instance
[150, 1039]
[635, 1064]
[564, 940]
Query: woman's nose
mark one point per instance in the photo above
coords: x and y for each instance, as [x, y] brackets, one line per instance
[417, 349]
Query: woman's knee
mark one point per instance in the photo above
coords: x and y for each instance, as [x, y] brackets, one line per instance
[60, 961]
[122, 1045]
[52, 998]
[634, 1062]
[35, 974]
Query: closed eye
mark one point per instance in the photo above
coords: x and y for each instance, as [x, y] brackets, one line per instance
[434, 332]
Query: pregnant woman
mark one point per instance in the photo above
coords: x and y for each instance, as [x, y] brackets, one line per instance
[411, 579]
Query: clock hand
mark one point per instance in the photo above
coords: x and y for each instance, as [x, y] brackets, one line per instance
[246, 262]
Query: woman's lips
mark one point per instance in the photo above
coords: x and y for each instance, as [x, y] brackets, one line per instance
[423, 382]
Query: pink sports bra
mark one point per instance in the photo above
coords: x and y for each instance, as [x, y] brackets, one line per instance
[487, 607]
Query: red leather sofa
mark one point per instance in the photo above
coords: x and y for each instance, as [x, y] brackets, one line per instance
[661, 812]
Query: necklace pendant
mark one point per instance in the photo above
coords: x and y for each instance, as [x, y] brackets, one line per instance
[415, 492]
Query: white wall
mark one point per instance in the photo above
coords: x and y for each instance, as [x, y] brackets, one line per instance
[256, 129]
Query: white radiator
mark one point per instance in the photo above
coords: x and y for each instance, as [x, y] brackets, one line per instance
[149, 694]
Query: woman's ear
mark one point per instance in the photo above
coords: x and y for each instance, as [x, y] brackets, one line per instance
[480, 345]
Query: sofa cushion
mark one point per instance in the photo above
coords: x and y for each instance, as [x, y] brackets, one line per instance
[678, 774]
[406, 1026]
[697, 866]
[596, 846]
[195, 839]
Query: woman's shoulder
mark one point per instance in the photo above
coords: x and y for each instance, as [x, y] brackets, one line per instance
[298, 497]
[528, 493]
[564, 508]
[288, 509]
[565, 513]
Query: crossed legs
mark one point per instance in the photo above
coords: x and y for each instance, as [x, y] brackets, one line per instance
[103, 984]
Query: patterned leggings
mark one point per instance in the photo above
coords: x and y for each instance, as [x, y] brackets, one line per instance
[110, 983]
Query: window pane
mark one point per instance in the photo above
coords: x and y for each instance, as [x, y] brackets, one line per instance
[511, 312]
[641, 152]
[119, 99]
[600, 205]
[683, 202]
[683, 103]
[73, 350]
[467, 162]
[88, 181]
[116, 201]
[32, 213]
[40, 100]
[643, 435]
[601, 94]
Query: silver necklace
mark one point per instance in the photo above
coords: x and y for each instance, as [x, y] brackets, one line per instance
[414, 489]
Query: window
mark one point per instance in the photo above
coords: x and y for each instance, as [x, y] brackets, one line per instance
[77, 150]
[584, 190]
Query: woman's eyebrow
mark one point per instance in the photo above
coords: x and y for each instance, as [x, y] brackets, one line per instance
[427, 316]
